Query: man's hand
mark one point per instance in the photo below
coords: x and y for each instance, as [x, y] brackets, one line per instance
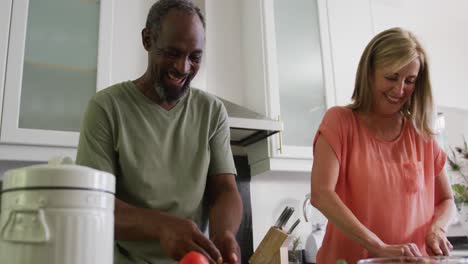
[227, 244]
[179, 236]
[225, 215]
[437, 243]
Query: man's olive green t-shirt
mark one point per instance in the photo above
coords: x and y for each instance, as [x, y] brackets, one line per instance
[161, 159]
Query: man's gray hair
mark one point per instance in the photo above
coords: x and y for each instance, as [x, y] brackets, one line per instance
[162, 7]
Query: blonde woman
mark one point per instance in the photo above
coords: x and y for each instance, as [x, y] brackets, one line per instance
[378, 172]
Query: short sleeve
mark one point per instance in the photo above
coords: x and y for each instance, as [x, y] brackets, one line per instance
[95, 148]
[333, 128]
[440, 158]
[221, 159]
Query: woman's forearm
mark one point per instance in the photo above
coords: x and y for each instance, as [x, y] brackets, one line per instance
[443, 214]
[329, 203]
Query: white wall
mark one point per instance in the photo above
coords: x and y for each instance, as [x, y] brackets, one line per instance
[456, 126]
[270, 194]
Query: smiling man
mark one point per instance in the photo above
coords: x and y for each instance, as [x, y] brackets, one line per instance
[168, 146]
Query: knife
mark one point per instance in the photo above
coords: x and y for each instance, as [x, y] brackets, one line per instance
[281, 217]
[286, 217]
[291, 229]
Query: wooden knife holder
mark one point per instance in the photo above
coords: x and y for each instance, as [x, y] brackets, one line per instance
[273, 249]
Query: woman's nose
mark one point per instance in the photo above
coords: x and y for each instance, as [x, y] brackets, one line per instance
[399, 88]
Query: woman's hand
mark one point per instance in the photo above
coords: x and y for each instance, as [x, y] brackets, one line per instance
[402, 250]
[437, 243]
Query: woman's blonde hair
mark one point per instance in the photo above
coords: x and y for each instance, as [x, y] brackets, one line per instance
[393, 49]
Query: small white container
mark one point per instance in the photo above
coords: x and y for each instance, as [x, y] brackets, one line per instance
[57, 214]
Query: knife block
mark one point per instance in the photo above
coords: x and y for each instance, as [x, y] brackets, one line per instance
[273, 249]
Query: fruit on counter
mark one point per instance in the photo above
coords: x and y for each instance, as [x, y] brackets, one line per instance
[194, 257]
[341, 261]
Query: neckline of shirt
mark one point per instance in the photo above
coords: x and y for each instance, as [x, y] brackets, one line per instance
[134, 89]
[373, 136]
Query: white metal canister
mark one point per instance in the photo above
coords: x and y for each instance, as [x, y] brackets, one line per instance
[57, 214]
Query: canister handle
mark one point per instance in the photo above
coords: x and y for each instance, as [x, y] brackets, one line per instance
[26, 226]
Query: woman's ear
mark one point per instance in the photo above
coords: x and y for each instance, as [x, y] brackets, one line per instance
[146, 38]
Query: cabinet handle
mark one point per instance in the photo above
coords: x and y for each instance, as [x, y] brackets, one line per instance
[280, 139]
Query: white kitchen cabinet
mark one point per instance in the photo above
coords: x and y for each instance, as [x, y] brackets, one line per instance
[5, 12]
[301, 87]
[59, 54]
[39, 123]
[295, 71]
[302, 63]
[222, 72]
[351, 28]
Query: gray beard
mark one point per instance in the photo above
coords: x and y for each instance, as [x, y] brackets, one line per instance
[161, 92]
[164, 96]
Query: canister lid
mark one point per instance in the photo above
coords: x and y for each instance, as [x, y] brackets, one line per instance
[58, 176]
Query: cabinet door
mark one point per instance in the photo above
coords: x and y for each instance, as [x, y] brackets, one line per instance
[350, 27]
[58, 56]
[5, 12]
[301, 86]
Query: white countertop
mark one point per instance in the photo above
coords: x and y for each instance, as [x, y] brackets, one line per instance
[456, 229]
[459, 253]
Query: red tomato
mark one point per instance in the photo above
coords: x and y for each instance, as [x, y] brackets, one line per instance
[194, 257]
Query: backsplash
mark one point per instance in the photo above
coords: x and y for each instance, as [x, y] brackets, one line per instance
[270, 194]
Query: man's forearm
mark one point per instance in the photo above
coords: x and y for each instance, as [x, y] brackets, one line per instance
[225, 213]
[134, 223]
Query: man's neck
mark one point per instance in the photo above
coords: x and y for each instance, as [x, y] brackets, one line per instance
[146, 87]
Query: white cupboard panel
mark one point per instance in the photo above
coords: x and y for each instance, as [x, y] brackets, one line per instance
[5, 12]
[300, 73]
[351, 29]
[57, 58]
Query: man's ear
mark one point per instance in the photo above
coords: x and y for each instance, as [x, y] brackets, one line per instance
[146, 38]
